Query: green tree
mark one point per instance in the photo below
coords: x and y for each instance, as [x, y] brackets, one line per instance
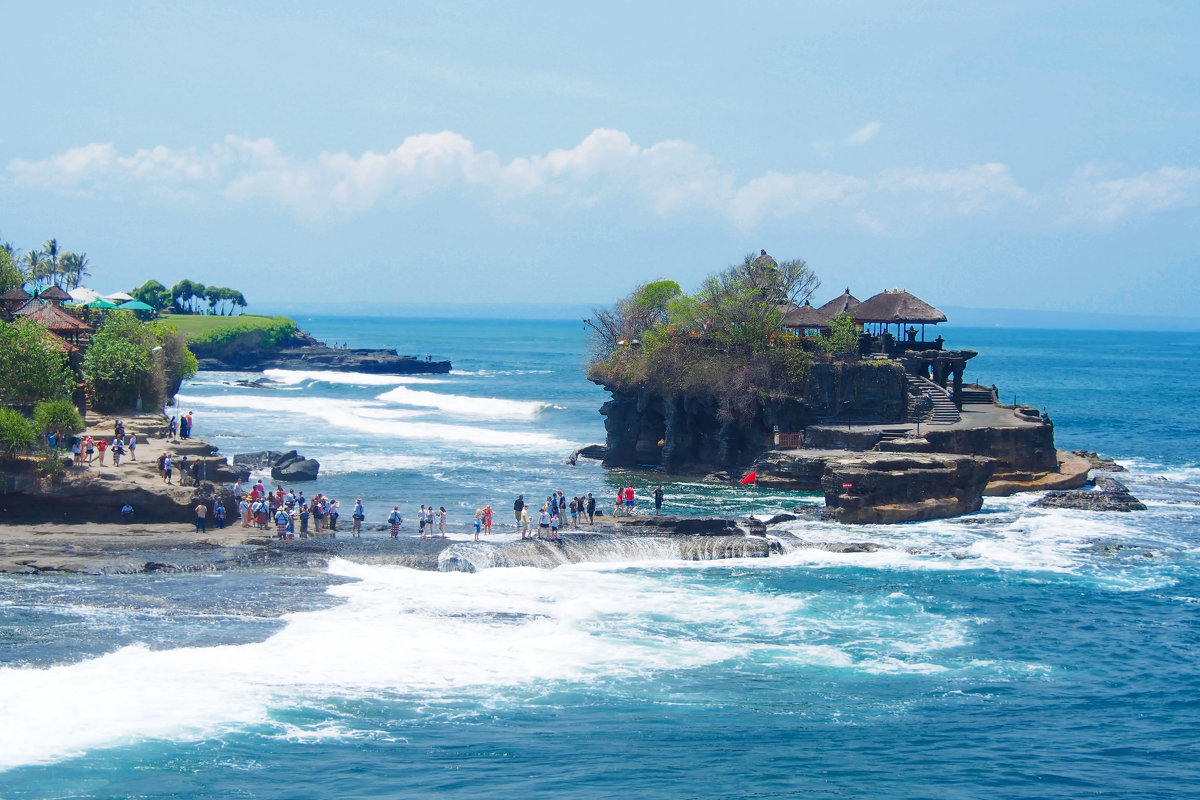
[33, 364]
[10, 273]
[129, 360]
[153, 293]
[50, 249]
[35, 266]
[843, 336]
[74, 267]
[186, 293]
[58, 417]
[16, 432]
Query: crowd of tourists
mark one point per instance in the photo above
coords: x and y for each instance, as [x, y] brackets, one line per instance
[86, 450]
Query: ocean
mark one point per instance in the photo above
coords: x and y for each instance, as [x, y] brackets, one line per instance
[1016, 652]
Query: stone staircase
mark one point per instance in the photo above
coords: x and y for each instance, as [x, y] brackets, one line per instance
[893, 433]
[976, 396]
[943, 411]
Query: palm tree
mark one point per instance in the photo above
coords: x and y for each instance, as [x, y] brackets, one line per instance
[35, 266]
[50, 249]
[74, 268]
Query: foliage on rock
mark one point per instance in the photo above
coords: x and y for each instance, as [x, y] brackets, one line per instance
[57, 417]
[128, 359]
[16, 432]
[33, 365]
[726, 340]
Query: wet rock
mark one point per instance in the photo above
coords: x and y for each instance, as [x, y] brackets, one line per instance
[1109, 495]
[303, 469]
[1099, 462]
[875, 488]
[778, 518]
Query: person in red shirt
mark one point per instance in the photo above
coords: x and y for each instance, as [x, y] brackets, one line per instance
[629, 499]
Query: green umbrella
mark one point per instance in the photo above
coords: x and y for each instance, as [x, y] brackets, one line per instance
[135, 305]
[100, 302]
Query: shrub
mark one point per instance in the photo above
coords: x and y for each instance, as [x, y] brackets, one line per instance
[58, 417]
[33, 366]
[16, 432]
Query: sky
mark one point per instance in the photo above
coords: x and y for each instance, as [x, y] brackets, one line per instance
[1022, 155]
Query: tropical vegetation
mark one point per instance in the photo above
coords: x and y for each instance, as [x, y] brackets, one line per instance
[33, 364]
[129, 361]
[727, 339]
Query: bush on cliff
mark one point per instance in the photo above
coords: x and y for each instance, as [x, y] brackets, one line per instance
[33, 364]
[124, 363]
[57, 417]
[16, 432]
[727, 340]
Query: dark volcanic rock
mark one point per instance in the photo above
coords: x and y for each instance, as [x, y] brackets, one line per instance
[1109, 495]
[1099, 462]
[318, 357]
[300, 469]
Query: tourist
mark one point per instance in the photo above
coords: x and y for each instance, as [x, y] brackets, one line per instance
[132, 439]
[591, 509]
[620, 502]
[318, 510]
[77, 451]
[244, 512]
[543, 523]
[127, 513]
[219, 513]
[304, 512]
[166, 468]
[658, 498]
[478, 522]
[238, 491]
[524, 522]
[554, 527]
[442, 521]
[574, 507]
[281, 524]
[201, 518]
[358, 517]
[89, 449]
[118, 450]
[487, 520]
[102, 445]
[421, 521]
[519, 507]
[173, 427]
[396, 521]
[334, 513]
[629, 500]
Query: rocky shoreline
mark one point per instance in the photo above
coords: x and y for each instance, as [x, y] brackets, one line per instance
[305, 352]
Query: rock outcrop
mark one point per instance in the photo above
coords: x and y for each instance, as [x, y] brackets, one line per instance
[1109, 495]
[699, 433]
[288, 466]
[889, 487]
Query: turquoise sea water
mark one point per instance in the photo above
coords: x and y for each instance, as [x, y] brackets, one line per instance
[1017, 652]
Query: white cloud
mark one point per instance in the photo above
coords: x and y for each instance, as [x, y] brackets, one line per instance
[668, 178]
[1097, 198]
[864, 134]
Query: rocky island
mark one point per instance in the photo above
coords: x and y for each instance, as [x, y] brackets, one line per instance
[849, 399]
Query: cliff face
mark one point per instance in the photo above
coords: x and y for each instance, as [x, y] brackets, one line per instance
[695, 433]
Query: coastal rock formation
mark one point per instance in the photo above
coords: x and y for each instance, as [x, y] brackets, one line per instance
[305, 352]
[1099, 462]
[1109, 495]
[699, 433]
[289, 466]
[888, 487]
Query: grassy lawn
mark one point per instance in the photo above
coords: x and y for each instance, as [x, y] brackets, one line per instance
[208, 328]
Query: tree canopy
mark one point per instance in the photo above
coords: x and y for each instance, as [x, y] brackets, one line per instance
[128, 360]
[33, 364]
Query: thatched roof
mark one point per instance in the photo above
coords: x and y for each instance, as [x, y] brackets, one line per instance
[844, 303]
[15, 295]
[805, 316]
[51, 317]
[896, 306]
[764, 260]
[54, 294]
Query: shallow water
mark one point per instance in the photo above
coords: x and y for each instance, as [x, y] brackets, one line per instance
[1016, 652]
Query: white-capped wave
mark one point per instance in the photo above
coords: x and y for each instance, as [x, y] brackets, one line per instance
[375, 418]
[297, 376]
[483, 407]
[416, 636]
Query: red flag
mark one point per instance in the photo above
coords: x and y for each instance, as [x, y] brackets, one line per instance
[751, 478]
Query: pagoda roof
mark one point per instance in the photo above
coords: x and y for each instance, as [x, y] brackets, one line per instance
[51, 317]
[896, 306]
[844, 303]
[805, 316]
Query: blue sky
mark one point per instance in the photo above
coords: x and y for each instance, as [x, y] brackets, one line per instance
[1011, 155]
